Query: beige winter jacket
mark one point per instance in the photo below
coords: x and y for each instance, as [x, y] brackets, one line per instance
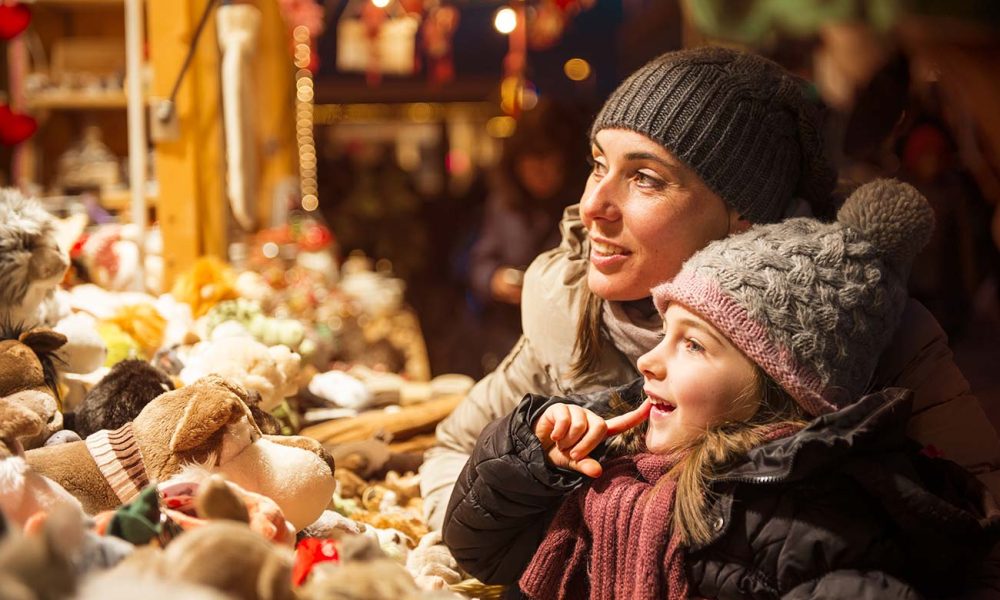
[946, 414]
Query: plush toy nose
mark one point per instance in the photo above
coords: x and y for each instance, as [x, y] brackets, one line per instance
[47, 263]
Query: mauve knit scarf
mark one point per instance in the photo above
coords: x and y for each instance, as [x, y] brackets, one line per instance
[620, 525]
[612, 538]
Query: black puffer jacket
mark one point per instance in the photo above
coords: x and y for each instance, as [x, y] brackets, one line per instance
[846, 508]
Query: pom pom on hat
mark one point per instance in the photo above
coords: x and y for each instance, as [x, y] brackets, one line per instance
[893, 216]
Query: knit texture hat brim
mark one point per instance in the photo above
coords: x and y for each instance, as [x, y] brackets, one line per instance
[732, 320]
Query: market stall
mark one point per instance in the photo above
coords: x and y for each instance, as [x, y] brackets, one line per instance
[230, 236]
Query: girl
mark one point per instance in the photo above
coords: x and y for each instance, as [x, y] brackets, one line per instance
[694, 146]
[761, 474]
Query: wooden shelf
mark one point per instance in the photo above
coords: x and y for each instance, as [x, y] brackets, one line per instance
[121, 200]
[79, 3]
[60, 100]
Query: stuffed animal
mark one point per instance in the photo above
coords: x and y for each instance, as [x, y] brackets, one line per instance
[196, 496]
[224, 555]
[23, 492]
[28, 376]
[31, 263]
[270, 371]
[39, 565]
[31, 266]
[209, 423]
[120, 396]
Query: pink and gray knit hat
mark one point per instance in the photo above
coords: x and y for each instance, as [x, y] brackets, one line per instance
[812, 303]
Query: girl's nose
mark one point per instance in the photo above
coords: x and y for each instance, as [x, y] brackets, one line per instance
[652, 364]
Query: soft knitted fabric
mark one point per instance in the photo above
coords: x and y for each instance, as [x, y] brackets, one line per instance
[813, 304]
[617, 528]
[119, 460]
[612, 538]
[740, 121]
[635, 326]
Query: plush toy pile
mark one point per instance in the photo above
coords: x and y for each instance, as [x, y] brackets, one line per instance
[140, 455]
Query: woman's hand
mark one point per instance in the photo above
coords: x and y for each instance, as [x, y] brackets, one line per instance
[569, 433]
[506, 285]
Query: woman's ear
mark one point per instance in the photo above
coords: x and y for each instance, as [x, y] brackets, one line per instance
[738, 223]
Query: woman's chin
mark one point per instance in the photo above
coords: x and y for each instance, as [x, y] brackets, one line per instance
[616, 287]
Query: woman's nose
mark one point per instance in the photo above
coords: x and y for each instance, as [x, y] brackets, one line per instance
[599, 201]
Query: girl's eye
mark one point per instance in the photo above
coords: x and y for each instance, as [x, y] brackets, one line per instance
[648, 181]
[692, 345]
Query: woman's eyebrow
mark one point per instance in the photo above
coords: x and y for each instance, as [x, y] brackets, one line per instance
[650, 156]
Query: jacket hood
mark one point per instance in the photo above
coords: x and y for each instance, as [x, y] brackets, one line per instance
[876, 422]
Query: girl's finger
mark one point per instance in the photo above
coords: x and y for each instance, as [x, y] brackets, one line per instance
[597, 430]
[577, 427]
[587, 466]
[559, 413]
[629, 420]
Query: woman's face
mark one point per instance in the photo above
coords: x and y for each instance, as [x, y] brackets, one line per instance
[646, 213]
[695, 378]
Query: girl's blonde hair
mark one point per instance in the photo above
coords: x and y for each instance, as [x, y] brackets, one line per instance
[720, 447]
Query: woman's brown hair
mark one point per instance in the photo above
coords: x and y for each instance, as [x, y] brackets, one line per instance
[589, 336]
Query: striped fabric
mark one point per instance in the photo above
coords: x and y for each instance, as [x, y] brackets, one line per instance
[117, 456]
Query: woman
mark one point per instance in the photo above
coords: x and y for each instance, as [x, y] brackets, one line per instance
[694, 146]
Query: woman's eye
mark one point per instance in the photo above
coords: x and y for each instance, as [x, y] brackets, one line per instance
[596, 166]
[649, 181]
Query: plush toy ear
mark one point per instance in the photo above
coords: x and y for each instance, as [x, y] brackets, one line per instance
[204, 415]
[42, 341]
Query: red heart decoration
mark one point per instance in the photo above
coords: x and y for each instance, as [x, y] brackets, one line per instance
[14, 19]
[14, 127]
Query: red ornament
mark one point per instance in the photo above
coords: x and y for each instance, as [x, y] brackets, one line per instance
[15, 127]
[309, 552]
[14, 19]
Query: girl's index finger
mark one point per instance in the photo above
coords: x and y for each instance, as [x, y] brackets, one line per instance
[629, 420]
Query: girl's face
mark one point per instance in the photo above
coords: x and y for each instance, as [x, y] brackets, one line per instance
[695, 378]
[646, 213]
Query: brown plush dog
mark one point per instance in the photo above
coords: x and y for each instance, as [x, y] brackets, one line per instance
[207, 423]
[28, 376]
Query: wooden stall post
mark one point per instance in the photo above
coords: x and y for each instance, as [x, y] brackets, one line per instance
[192, 206]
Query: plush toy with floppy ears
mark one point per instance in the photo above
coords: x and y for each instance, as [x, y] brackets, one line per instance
[28, 376]
[206, 423]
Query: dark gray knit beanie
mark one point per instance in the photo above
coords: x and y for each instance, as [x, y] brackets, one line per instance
[739, 120]
[813, 304]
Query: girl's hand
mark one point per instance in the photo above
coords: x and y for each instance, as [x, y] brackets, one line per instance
[569, 433]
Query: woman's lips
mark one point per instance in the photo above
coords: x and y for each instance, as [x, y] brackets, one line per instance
[606, 256]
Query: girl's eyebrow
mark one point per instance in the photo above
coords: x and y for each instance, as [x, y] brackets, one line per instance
[702, 327]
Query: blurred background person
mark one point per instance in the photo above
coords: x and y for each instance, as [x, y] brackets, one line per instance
[539, 174]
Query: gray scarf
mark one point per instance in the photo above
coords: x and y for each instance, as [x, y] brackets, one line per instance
[634, 326]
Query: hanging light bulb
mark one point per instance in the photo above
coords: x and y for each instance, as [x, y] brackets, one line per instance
[380, 3]
[505, 20]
